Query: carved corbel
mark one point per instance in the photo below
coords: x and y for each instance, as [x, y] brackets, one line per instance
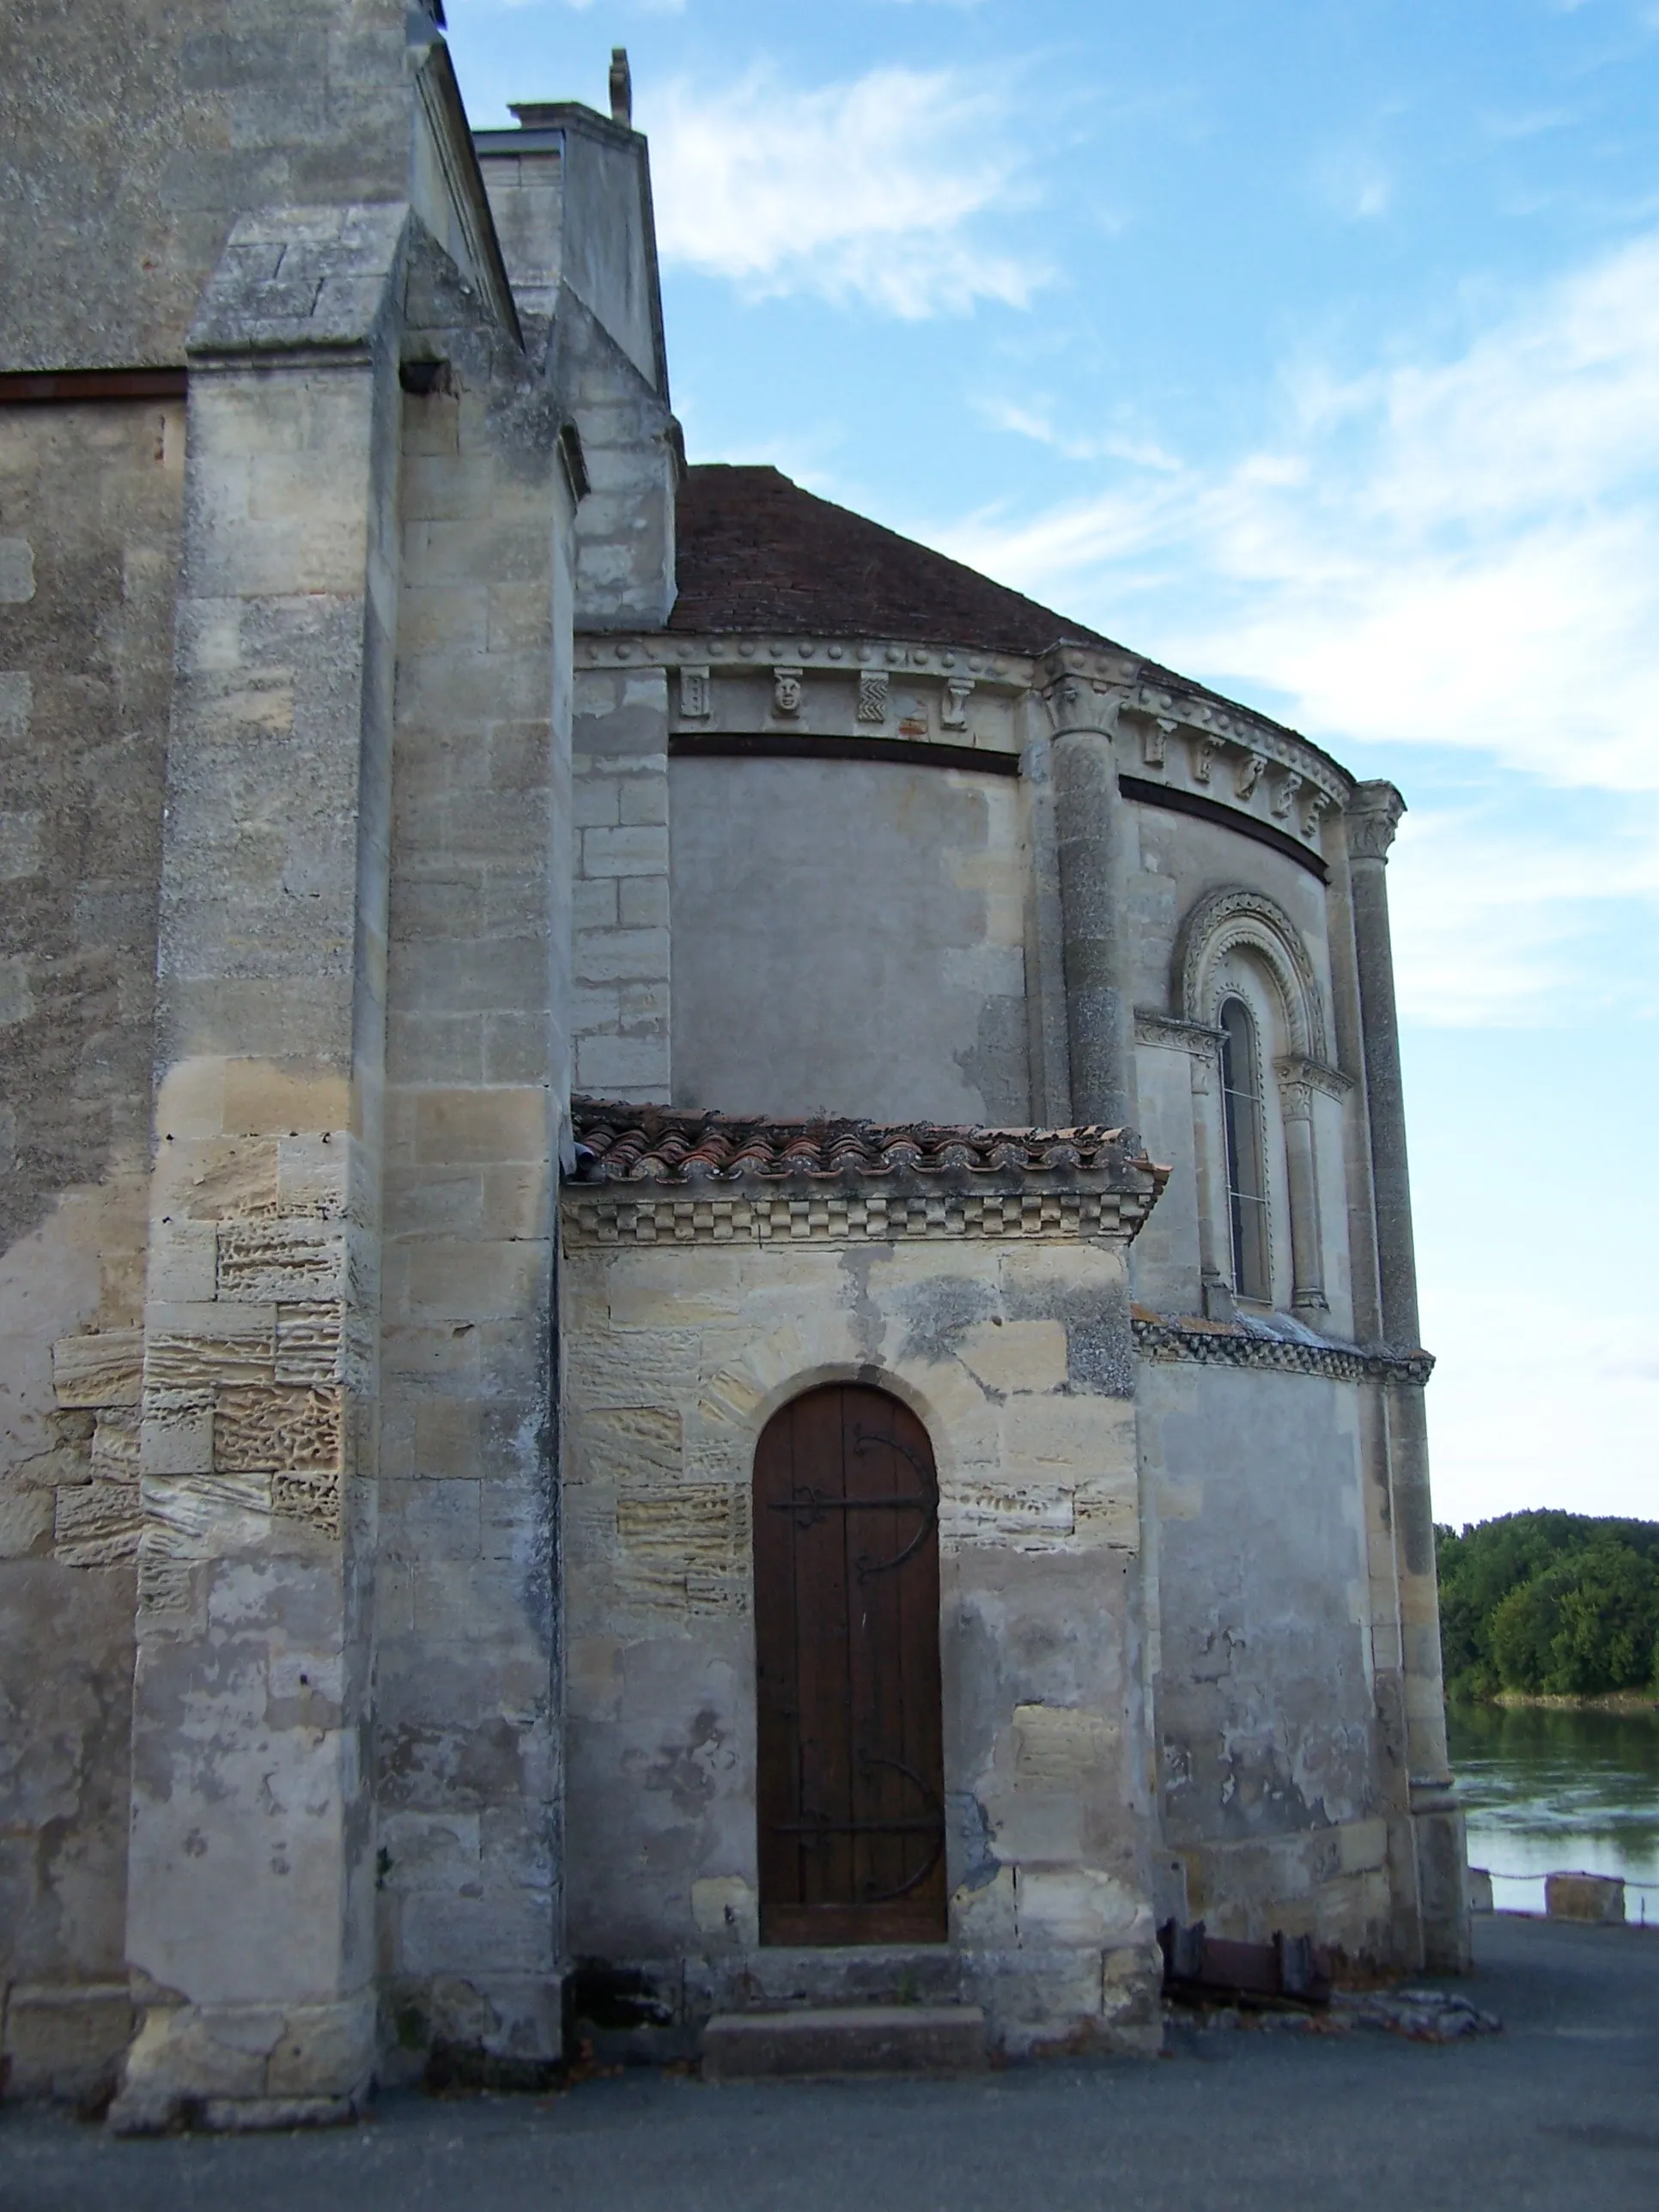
[1247, 774]
[1284, 796]
[953, 708]
[872, 695]
[696, 702]
[1204, 752]
[787, 691]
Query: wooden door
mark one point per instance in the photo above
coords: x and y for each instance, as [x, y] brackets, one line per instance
[851, 1785]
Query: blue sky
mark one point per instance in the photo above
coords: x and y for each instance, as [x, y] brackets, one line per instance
[1314, 349]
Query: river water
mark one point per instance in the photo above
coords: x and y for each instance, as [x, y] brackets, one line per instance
[1552, 1791]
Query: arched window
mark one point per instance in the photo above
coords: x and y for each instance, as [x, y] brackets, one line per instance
[1247, 1183]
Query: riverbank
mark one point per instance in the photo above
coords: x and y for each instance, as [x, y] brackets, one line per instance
[1615, 1701]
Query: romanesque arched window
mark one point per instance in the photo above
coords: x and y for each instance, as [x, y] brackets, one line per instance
[1247, 1182]
[1243, 974]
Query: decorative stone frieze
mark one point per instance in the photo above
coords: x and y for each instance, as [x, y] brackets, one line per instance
[838, 1217]
[1233, 1344]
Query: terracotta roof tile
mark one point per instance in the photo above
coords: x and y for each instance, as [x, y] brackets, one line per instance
[755, 551]
[620, 1143]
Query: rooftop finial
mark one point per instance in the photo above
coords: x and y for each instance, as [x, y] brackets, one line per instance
[622, 88]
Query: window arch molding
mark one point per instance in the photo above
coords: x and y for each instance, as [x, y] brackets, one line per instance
[1229, 921]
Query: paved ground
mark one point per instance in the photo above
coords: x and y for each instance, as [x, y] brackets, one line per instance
[1561, 2111]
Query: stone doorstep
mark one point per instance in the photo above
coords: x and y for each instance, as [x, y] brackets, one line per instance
[741, 2046]
[790, 1978]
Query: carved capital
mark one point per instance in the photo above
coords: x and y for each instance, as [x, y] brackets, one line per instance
[1300, 1076]
[1076, 699]
[1174, 1035]
[1372, 817]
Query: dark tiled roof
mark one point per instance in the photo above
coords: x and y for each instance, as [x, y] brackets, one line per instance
[618, 1143]
[755, 552]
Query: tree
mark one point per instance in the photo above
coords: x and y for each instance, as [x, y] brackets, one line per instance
[1584, 1625]
[1513, 1583]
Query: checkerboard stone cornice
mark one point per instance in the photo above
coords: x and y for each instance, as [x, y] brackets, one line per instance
[1230, 1343]
[656, 1175]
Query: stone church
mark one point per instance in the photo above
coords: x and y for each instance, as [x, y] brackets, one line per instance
[708, 1300]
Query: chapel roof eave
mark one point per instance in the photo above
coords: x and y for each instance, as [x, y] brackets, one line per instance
[758, 557]
[689, 1149]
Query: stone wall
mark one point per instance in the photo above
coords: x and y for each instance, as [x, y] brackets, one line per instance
[477, 1081]
[1278, 1790]
[620, 916]
[787, 1001]
[89, 520]
[1013, 1352]
[136, 131]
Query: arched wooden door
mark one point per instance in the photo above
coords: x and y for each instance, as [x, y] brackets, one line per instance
[851, 1785]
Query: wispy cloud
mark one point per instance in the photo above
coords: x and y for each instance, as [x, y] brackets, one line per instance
[876, 191]
[1505, 926]
[1461, 553]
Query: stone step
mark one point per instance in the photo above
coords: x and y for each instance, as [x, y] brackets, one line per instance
[844, 2040]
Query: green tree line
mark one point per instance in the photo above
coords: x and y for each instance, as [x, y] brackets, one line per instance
[1554, 1604]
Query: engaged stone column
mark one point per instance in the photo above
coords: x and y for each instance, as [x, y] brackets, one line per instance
[1307, 1252]
[1089, 824]
[1373, 816]
[250, 1931]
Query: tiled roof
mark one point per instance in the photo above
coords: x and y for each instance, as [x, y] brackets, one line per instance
[618, 1143]
[755, 552]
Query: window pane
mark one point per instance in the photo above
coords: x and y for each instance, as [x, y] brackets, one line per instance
[1247, 1194]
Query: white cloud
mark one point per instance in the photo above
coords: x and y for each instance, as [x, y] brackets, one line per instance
[1501, 928]
[1459, 553]
[875, 189]
[1506, 1435]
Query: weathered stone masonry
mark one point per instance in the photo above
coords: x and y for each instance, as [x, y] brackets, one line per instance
[397, 737]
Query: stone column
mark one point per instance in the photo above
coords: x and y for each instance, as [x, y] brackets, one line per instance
[1373, 816]
[1051, 1074]
[1307, 1252]
[252, 1880]
[1089, 825]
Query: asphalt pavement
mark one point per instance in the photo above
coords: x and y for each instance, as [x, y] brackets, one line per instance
[1561, 2111]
